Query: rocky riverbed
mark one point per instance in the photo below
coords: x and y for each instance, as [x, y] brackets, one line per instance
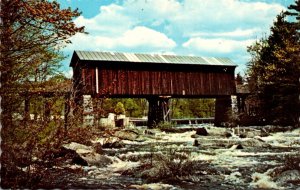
[203, 157]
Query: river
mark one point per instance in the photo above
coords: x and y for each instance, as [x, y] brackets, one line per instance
[228, 161]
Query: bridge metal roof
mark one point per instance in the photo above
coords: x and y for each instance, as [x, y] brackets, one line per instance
[150, 58]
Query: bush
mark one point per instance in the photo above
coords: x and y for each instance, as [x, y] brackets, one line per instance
[29, 151]
[165, 125]
[171, 167]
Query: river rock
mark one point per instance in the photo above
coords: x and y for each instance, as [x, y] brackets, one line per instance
[196, 143]
[236, 146]
[288, 176]
[78, 147]
[126, 135]
[71, 156]
[264, 132]
[227, 134]
[276, 129]
[149, 132]
[98, 148]
[217, 131]
[201, 131]
[96, 159]
[247, 132]
[114, 144]
[254, 143]
[85, 155]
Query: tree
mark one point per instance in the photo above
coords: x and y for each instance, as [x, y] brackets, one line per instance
[132, 108]
[32, 32]
[189, 108]
[239, 79]
[119, 109]
[274, 72]
[294, 11]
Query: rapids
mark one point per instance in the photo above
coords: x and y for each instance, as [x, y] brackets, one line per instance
[237, 163]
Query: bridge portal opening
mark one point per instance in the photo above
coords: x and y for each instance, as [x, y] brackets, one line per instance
[153, 111]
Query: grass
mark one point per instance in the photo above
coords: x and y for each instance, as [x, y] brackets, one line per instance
[171, 166]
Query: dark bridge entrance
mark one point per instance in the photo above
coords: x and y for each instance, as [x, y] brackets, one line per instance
[154, 77]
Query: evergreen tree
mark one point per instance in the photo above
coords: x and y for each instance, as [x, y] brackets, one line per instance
[239, 79]
[274, 72]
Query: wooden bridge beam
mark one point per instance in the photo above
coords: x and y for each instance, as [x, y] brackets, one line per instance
[223, 105]
[159, 111]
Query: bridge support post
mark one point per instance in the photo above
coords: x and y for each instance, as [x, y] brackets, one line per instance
[223, 105]
[96, 110]
[159, 111]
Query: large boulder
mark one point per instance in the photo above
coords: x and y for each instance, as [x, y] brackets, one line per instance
[201, 131]
[96, 159]
[254, 143]
[247, 132]
[217, 131]
[85, 155]
[78, 147]
[126, 135]
[113, 144]
[70, 156]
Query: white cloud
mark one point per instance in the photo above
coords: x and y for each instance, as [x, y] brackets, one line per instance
[140, 36]
[223, 16]
[217, 45]
[110, 21]
[177, 19]
[131, 39]
[198, 27]
[233, 34]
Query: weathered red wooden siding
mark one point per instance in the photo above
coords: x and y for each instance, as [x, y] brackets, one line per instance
[152, 82]
[88, 80]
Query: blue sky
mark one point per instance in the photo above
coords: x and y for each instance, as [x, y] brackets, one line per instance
[217, 28]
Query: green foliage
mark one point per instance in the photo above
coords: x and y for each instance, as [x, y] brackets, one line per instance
[189, 108]
[172, 166]
[274, 72]
[164, 125]
[119, 109]
[36, 146]
[181, 108]
[134, 107]
[32, 33]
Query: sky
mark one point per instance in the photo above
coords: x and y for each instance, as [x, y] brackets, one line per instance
[211, 28]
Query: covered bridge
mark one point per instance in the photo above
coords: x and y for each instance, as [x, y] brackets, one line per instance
[154, 77]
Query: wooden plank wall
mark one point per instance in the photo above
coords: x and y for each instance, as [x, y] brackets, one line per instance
[88, 80]
[143, 83]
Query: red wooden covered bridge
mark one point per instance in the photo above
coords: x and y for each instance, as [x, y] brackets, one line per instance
[154, 77]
